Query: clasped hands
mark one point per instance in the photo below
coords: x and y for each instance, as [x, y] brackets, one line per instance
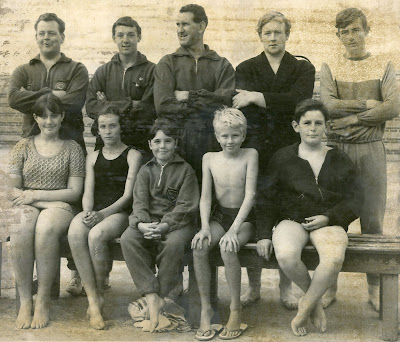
[91, 218]
[153, 230]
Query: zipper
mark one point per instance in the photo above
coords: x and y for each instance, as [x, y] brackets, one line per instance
[319, 189]
[196, 64]
[162, 170]
[123, 79]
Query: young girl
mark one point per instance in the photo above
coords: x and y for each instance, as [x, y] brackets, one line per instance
[314, 193]
[106, 202]
[165, 199]
[47, 174]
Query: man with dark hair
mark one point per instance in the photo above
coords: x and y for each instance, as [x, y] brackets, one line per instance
[191, 83]
[361, 94]
[269, 87]
[126, 81]
[50, 71]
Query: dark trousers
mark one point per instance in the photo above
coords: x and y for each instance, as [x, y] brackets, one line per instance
[141, 254]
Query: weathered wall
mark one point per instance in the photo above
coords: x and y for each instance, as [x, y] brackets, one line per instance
[231, 32]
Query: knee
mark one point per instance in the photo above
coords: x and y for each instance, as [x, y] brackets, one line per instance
[228, 257]
[332, 263]
[201, 253]
[97, 236]
[127, 239]
[287, 257]
[76, 229]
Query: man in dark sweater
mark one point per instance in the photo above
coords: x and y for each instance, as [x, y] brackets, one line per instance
[269, 87]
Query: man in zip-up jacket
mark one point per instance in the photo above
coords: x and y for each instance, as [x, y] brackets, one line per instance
[50, 71]
[191, 83]
[126, 81]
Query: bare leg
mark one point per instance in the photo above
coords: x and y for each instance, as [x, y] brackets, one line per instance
[78, 240]
[285, 287]
[289, 240]
[330, 243]
[155, 304]
[203, 275]
[110, 228]
[51, 225]
[22, 258]
[233, 277]
[330, 295]
[253, 292]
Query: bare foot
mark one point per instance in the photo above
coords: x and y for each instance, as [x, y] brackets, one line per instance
[41, 316]
[205, 318]
[318, 317]
[299, 323]
[329, 297]
[24, 318]
[155, 304]
[250, 296]
[232, 328]
[93, 313]
[288, 300]
[373, 296]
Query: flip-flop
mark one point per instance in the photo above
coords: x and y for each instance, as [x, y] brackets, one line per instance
[240, 331]
[208, 335]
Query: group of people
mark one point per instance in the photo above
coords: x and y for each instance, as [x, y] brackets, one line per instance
[251, 139]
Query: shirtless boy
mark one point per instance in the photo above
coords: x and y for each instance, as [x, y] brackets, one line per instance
[233, 174]
[313, 195]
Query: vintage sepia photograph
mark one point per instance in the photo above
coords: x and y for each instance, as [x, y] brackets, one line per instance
[200, 170]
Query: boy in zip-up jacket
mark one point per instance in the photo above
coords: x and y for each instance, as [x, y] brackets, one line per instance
[313, 194]
[165, 200]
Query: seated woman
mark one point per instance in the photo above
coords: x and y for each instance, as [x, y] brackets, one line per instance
[107, 203]
[314, 193]
[47, 174]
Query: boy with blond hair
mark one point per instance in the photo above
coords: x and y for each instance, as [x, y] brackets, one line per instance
[233, 174]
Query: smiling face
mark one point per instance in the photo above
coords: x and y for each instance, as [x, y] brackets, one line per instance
[109, 129]
[311, 127]
[126, 38]
[353, 38]
[189, 32]
[163, 147]
[49, 123]
[230, 138]
[274, 38]
[49, 38]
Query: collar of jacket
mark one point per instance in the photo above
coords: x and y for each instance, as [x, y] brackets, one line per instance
[210, 54]
[63, 59]
[177, 159]
[141, 59]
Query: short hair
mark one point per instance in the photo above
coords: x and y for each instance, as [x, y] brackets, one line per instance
[274, 15]
[51, 17]
[199, 14]
[308, 105]
[127, 21]
[111, 109]
[167, 126]
[347, 16]
[230, 117]
[53, 104]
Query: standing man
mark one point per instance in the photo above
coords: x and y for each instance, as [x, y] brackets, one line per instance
[50, 71]
[191, 83]
[126, 81]
[361, 94]
[269, 87]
